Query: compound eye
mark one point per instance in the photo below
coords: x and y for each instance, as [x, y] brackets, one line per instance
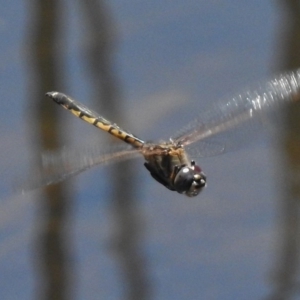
[184, 179]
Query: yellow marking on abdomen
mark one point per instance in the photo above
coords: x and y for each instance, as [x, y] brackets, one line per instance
[81, 111]
[88, 119]
[74, 112]
[103, 126]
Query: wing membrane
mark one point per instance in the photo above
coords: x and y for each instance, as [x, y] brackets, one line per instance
[248, 109]
[58, 166]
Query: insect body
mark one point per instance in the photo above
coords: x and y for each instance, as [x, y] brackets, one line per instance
[168, 162]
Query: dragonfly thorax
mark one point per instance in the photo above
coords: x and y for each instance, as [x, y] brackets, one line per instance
[170, 166]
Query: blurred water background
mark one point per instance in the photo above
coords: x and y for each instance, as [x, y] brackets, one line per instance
[113, 232]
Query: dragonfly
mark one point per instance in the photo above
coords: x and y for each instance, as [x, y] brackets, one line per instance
[169, 162]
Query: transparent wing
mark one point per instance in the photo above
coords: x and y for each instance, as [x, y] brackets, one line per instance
[230, 121]
[58, 166]
[209, 147]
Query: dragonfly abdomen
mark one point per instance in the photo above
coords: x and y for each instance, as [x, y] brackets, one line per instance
[92, 117]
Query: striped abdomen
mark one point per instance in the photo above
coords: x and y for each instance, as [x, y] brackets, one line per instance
[84, 113]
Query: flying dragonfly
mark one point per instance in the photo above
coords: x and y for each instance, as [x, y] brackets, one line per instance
[169, 162]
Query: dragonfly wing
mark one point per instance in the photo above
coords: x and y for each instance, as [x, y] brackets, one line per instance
[207, 148]
[230, 140]
[242, 114]
[58, 166]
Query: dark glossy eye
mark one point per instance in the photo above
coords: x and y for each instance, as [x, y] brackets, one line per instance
[184, 179]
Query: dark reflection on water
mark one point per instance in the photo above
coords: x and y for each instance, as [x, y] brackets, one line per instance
[52, 250]
[285, 273]
[106, 93]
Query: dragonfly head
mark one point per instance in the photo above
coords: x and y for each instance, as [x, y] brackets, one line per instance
[190, 180]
